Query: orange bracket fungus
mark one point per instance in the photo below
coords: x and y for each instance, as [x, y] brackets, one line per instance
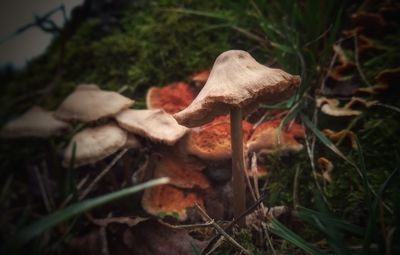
[213, 140]
[182, 172]
[172, 98]
[169, 200]
[266, 138]
[237, 83]
[200, 78]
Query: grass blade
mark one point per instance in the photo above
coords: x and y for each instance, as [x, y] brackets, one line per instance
[53, 219]
[307, 215]
[328, 143]
[287, 234]
[372, 219]
[213, 15]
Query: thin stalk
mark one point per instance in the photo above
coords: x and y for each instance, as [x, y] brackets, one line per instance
[238, 182]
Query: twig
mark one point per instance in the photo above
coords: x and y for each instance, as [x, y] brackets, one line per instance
[252, 192]
[104, 243]
[391, 107]
[46, 186]
[269, 239]
[333, 60]
[255, 177]
[220, 230]
[104, 172]
[42, 190]
[70, 196]
[201, 225]
[216, 239]
[122, 89]
[388, 241]
[319, 37]
[314, 170]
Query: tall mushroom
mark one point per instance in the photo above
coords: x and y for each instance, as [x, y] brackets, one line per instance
[237, 83]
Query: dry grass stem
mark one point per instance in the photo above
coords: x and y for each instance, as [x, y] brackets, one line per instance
[208, 219]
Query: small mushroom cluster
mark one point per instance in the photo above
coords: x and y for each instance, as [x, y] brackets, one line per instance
[236, 84]
[89, 104]
[205, 136]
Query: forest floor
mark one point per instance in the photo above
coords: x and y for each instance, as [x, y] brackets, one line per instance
[337, 192]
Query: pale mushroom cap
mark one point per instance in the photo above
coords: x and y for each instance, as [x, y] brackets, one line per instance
[36, 122]
[166, 199]
[132, 143]
[88, 103]
[156, 125]
[94, 144]
[237, 80]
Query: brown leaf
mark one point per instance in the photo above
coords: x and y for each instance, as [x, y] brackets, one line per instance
[327, 168]
[336, 136]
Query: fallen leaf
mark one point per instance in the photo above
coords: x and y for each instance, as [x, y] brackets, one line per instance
[336, 136]
[327, 168]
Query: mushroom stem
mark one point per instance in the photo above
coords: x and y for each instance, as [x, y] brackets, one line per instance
[238, 184]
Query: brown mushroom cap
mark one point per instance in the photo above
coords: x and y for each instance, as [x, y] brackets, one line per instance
[94, 144]
[237, 80]
[165, 199]
[88, 103]
[182, 171]
[265, 138]
[172, 98]
[36, 122]
[156, 125]
[213, 140]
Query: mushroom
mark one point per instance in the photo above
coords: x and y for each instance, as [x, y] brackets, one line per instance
[36, 122]
[89, 103]
[157, 125]
[166, 199]
[213, 140]
[182, 172]
[237, 83]
[94, 144]
[266, 138]
[172, 98]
